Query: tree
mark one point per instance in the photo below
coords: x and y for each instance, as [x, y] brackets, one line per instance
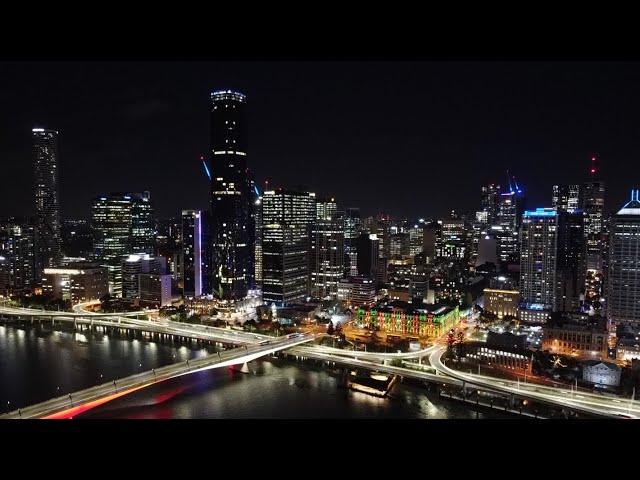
[330, 329]
[105, 298]
[338, 328]
[450, 339]
[276, 326]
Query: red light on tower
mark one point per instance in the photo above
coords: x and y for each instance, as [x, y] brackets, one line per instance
[592, 168]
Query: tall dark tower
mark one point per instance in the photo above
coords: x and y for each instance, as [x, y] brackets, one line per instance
[232, 228]
[594, 230]
[45, 158]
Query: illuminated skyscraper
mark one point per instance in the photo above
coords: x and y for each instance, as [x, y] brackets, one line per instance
[594, 230]
[381, 228]
[507, 229]
[552, 259]
[17, 249]
[133, 266]
[143, 230]
[489, 203]
[45, 156]
[121, 224]
[192, 258]
[286, 220]
[352, 228]
[623, 293]
[485, 217]
[415, 239]
[567, 198]
[570, 258]
[453, 240]
[368, 246]
[538, 258]
[258, 240]
[232, 202]
[327, 249]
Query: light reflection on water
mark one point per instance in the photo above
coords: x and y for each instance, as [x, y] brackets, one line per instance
[37, 364]
[277, 388]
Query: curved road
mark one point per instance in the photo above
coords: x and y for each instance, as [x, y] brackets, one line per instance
[587, 402]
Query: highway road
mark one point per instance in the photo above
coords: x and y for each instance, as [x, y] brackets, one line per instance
[198, 332]
[73, 404]
[80, 308]
[376, 355]
[318, 354]
[587, 402]
[581, 401]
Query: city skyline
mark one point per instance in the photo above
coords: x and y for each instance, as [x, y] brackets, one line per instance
[393, 230]
[545, 131]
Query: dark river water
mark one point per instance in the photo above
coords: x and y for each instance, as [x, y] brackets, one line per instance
[35, 364]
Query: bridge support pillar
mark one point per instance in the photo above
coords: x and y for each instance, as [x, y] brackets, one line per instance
[245, 368]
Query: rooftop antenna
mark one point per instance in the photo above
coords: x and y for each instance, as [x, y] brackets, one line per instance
[593, 168]
[509, 180]
[517, 186]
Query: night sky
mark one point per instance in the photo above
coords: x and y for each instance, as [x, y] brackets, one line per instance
[404, 138]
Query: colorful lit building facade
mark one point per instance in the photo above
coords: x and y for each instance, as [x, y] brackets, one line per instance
[419, 323]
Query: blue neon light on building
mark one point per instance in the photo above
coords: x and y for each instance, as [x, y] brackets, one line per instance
[540, 212]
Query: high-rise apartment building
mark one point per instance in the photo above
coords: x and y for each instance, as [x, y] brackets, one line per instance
[538, 259]
[552, 260]
[352, 228]
[17, 248]
[192, 252]
[46, 164]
